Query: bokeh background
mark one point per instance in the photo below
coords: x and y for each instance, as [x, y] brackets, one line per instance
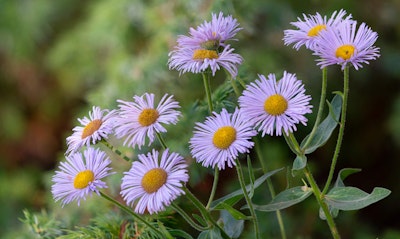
[58, 58]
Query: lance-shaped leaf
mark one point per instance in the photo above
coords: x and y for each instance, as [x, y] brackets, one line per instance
[234, 213]
[232, 198]
[285, 199]
[343, 174]
[352, 198]
[325, 129]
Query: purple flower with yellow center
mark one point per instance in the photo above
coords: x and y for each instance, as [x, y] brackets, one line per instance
[141, 118]
[152, 183]
[311, 27]
[275, 106]
[347, 45]
[97, 127]
[211, 35]
[80, 176]
[221, 138]
[199, 60]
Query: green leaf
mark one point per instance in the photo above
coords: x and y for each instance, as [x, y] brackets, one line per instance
[232, 226]
[333, 211]
[232, 198]
[213, 233]
[343, 175]
[325, 129]
[180, 234]
[199, 219]
[298, 164]
[352, 198]
[234, 213]
[285, 199]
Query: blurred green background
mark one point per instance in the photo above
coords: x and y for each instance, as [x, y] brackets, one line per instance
[58, 58]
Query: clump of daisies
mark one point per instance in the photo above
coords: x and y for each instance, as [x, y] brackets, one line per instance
[207, 48]
[266, 106]
[335, 40]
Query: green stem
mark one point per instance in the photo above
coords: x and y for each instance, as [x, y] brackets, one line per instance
[129, 211]
[207, 88]
[316, 191]
[241, 82]
[320, 198]
[320, 107]
[116, 151]
[341, 129]
[162, 141]
[271, 188]
[233, 83]
[187, 218]
[246, 196]
[204, 212]
[214, 188]
[292, 143]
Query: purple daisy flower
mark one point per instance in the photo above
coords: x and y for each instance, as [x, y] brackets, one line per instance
[140, 118]
[80, 176]
[194, 60]
[97, 127]
[311, 27]
[219, 140]
[211, 35]
[152, 184]
[275, 106]
[347, 45]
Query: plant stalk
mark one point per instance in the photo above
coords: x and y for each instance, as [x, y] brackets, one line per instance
[341, 129]
[247, 198]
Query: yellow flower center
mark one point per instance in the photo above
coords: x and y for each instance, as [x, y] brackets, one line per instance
[313, 32]
[82, 179]
[224, 137]
[275, 105]
[90, 128]
[201, 54]
[148, 117]
[345, 52]
[154, 179]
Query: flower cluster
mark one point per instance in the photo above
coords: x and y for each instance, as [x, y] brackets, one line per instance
[335, 40]
[135, 121]
[206, 48]
[269, 105]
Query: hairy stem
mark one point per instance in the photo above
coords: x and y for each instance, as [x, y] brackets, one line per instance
[341, 129]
